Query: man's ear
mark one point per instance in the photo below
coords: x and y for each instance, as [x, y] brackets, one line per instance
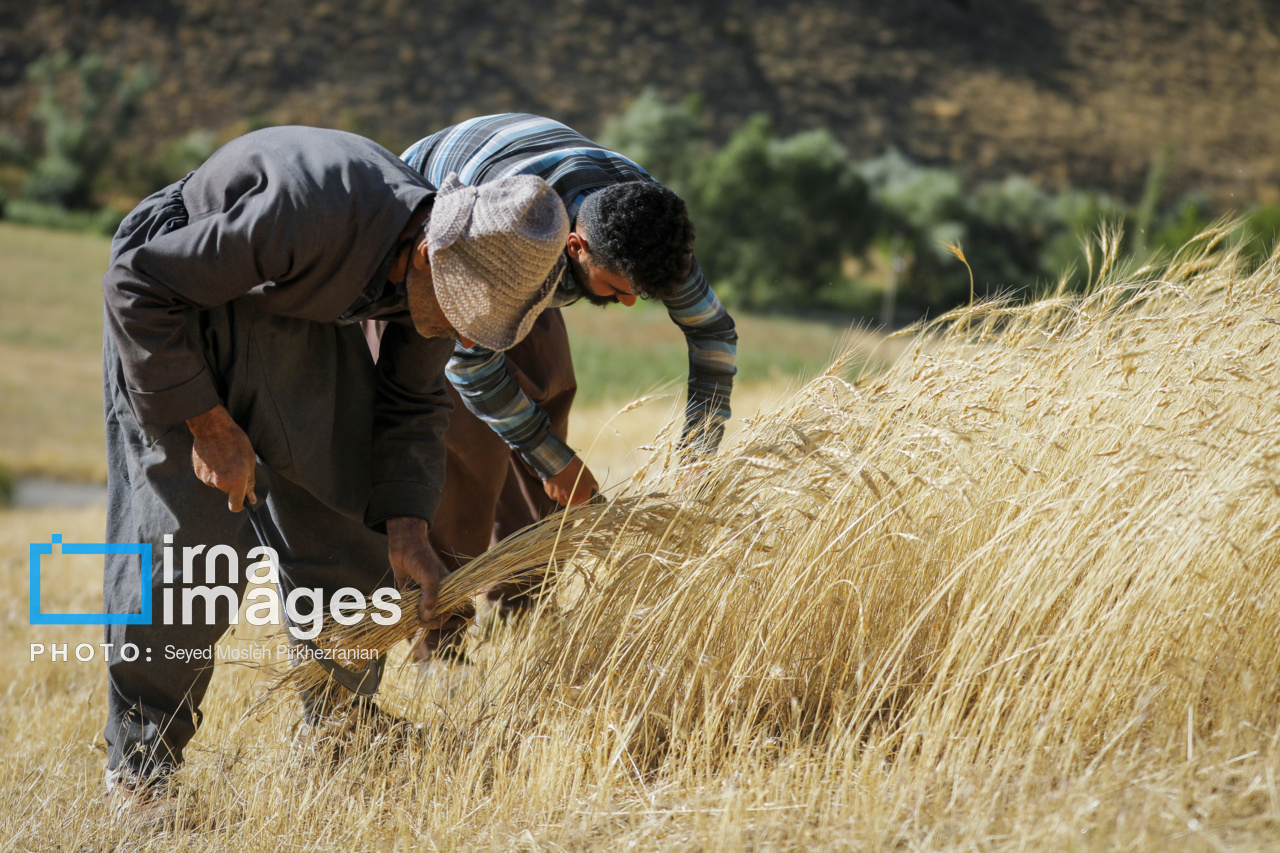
[576, 245]
[421, 255]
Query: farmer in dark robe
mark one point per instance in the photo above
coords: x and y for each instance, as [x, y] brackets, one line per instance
[233, 359]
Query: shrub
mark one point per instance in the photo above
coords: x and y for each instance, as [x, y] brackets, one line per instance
[1024, 235]
[1015, 234]
[922, 211]
[84, 107]
[778, 215]
[775, 217]
[667, 140]
[794, 223]
[1078, 216]
[104, 220]
[1262, 224]
[12, 150]
[143, 176]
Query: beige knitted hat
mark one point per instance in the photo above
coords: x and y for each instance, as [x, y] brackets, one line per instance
[497, 252]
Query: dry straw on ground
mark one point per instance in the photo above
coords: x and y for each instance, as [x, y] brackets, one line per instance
[1019, 592]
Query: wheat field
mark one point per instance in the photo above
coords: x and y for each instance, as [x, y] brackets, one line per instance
[1019, 592]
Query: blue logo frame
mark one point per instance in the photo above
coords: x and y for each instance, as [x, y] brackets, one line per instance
[142, 550]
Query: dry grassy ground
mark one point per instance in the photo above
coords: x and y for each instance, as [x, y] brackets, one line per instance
[51, 352]
[1017, 593]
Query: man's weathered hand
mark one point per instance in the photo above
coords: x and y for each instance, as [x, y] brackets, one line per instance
[223, 456]
[572, 486]
[693, 476]
[415, 561]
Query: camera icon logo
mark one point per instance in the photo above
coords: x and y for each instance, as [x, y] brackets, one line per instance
[40, 550]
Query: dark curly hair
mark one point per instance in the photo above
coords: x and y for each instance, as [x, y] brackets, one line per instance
[640, 230]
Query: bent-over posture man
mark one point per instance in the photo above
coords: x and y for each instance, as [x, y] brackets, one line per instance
[509, 463]
[232, 359]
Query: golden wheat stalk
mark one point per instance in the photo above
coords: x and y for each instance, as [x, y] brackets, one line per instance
[954, 249]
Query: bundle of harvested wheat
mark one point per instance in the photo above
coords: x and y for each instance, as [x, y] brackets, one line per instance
[535, 552]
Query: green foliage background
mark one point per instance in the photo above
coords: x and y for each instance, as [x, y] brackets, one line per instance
[795, 224]
[785, 223]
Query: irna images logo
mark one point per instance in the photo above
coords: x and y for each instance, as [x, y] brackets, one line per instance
[183, 597]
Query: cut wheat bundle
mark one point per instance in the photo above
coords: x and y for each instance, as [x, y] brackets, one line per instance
[542, 549]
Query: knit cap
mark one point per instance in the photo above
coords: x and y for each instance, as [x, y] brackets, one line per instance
[497, 252]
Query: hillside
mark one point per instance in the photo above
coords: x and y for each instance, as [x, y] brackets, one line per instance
[1081, 92]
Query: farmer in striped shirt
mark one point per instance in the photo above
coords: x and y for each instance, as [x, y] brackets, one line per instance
[630, 239]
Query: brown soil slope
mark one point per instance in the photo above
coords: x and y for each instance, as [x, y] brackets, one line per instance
[1083, 92]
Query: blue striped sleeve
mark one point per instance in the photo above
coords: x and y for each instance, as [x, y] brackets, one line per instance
[490, 392]
[712, 339]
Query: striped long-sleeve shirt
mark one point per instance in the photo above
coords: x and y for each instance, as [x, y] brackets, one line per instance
[491, 147]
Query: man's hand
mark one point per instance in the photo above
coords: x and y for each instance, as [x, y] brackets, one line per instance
[223, 456]
[573, 485]
[414, 561]
[693, 476]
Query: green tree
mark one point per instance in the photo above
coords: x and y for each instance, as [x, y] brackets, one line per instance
[84, 107]
[1022, 236]
[667, 140]
[922, 212]
[776, 217]
[1262, 225]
